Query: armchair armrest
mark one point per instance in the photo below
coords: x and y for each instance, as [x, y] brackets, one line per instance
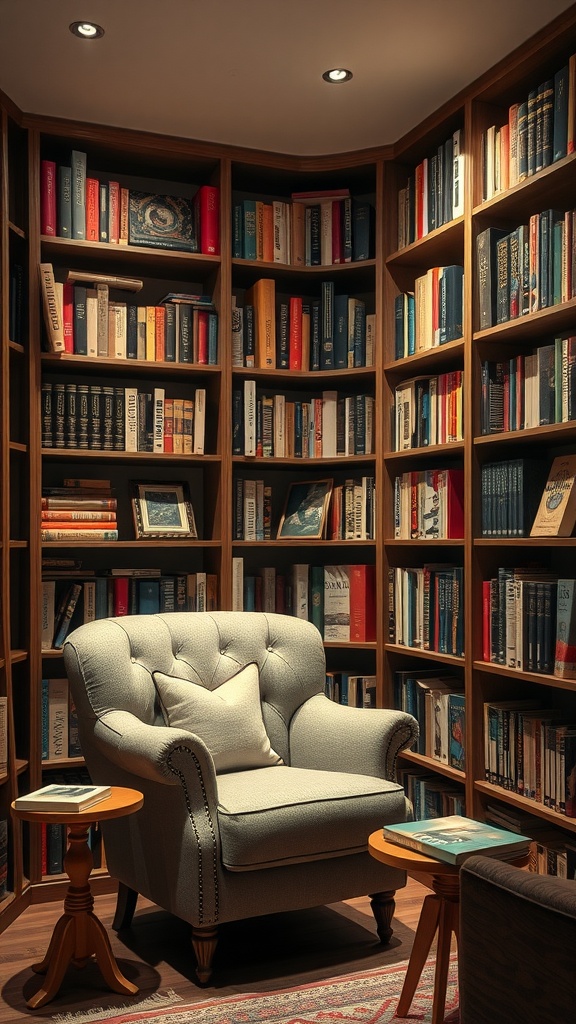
[332, 737]
[155, 752]
[516, 946]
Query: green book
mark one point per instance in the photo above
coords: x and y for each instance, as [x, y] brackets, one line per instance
[454, 838]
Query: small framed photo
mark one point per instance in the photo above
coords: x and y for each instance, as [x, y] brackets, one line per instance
[163, 510]
[306, 509]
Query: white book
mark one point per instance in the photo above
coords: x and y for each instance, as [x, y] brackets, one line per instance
[250, 510]
[63, 798]
[300, 573]
[141, 331]
[280, 232]
[458, 174]
[237, 334]
[200, 591]
[48, 597]
[368, 425]
[336, 603]
[370, 338]
[268, 574]
[279, 426]
[92, 322]
[118, 317]
[158, 419]
[199, 421]
[57, 719]
[102, 295]
[237, 584]
[329, 428]
[249, 417]
[131, 419]
[326, 232]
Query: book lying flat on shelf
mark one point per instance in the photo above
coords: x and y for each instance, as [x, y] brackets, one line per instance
[454, 838]
[556, 514]
[62, 798]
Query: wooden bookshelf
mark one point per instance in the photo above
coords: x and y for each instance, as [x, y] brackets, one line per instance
[178, 166]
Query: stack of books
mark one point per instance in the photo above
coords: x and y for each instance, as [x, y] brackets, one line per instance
[454, 838]
[80, 510]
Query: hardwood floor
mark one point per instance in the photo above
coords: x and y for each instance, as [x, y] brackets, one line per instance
[252, 956]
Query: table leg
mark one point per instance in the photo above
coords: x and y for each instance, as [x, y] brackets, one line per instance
[423, 939]
[79, 934]
[446, 925]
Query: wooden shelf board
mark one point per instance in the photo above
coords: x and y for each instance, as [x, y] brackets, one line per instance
[539, 811]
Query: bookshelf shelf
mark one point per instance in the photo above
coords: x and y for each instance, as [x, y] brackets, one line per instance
[177, 166]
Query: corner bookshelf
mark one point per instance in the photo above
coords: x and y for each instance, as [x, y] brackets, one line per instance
[392, 268]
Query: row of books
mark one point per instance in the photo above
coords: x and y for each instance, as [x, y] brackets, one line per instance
[338, 599]
[351, 511]
[529, 621]
[530, 268]
[432, 314]
[531, 750]
[309, 230]
[434, 192]
[301, 335]
[300, 344]
[428, 410]
[530, 389]
[426, 607]
[82, 320]
[438, 704]
[351, 690]
[429, 504]
[94, 416]
[75, 204]
[510, 496]
[430, 795]
[540, 130]
[59, 721]
[332, 424]
[67, 603]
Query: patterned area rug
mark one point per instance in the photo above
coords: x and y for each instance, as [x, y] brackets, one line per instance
[366, 997]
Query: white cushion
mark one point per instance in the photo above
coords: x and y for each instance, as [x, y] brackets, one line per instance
[228, 719]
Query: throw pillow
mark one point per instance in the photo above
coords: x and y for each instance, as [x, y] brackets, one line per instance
[228, 719]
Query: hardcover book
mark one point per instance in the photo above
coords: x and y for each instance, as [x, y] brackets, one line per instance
[454, 838]
[556, 513]
[162, 222]
[62, 798]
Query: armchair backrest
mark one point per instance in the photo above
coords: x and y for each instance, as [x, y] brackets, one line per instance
[110, 662]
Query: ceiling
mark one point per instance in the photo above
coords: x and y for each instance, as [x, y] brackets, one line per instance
[248, 72]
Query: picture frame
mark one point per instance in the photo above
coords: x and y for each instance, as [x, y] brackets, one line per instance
[163, 510]
[306, 510]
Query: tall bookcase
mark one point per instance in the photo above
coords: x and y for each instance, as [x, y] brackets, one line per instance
[165, 166]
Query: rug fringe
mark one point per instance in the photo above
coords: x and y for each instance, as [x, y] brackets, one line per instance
[96, 1013]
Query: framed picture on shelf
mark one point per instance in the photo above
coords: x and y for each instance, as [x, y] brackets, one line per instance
[163, 510]
[306, 509]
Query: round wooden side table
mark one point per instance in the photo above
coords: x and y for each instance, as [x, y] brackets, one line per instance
[439, 913]
[79, 934]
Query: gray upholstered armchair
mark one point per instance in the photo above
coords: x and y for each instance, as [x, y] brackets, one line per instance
[259, 792]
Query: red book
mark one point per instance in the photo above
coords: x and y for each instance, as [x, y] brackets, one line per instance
[295, 333]
[68, 316]
[362, 603]
[48, 197]
[92, 210]
[121, 586]
[124, 216]
[202, 336]
[337, 247]
[451, 483]
[168, 424]
[486, 606]
[207, 199]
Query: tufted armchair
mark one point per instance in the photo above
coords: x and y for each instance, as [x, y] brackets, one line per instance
[259, 792]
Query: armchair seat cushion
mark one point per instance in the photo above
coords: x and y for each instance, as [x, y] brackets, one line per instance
[280, 815]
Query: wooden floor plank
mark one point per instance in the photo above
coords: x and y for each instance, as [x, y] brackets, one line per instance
[258, 955]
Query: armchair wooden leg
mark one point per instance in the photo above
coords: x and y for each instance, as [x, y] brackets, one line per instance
[204, 942]
[383, 906]
[125, 907]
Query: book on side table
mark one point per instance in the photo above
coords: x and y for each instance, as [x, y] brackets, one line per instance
[454, 838]
[62, 798]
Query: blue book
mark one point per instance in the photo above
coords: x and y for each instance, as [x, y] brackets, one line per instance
[78, 167]
[560, 130]
[249, 247]
[80, 323]
[101, 598]
[340, 332]
[212, 339]
[454, 838]
[327, 327]
[237, 232]
[315, 343]
[185, 334]
[148, 597]
[132, 331]
[360, 334]
[361, 230]
[170, 333]
[249, 593]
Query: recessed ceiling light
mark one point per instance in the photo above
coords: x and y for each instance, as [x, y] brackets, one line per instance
[337, 75]
[86, 30]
